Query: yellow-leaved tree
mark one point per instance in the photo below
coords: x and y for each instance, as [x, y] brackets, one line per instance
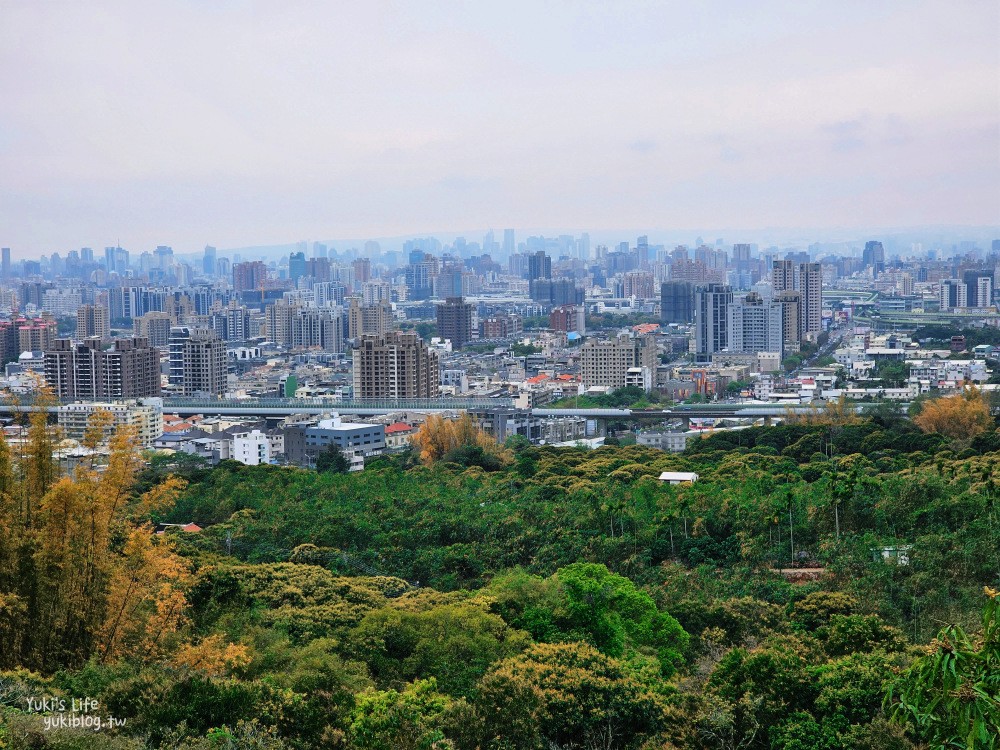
[962, 416]
[437, 437]
[81, 572]
[833, 413]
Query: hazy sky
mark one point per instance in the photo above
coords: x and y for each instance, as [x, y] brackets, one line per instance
[239, 123]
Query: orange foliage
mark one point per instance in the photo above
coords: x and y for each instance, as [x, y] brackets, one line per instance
[145, 599]
[69, 588]
[963, 416]
[439, 436]
[212, 656]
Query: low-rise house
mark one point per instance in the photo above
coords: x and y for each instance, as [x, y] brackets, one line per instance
[399, 435]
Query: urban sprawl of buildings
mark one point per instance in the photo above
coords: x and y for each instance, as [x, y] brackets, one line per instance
[502, 329]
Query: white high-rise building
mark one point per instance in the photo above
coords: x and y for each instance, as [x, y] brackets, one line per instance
[953, 294]
[807, 280]
[984, 291]
[755, 325]
[711, 319]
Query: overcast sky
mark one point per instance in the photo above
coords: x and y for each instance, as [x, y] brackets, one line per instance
[240, 123]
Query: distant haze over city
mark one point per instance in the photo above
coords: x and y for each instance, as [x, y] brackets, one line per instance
[188, 124]
[899, 239]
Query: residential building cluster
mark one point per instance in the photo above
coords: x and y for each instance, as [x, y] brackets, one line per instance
[529, 322]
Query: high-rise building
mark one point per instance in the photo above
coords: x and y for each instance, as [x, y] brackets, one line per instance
[639, 284]
[93, 320]
[454, 321]
[319, 269]
[154, 326]
[509, 244]
[395, 365]
[642, 252]
[810, 289]
[249, 275]
[711, 319]
[608, 362]
[279, 322]
[790, 318]
[197, 361]
[362, 268]
[517, 265]
[296, 266]
[237, 320]
[419, 278]
[979, 287]
[689, 271]
[741, 253]
[450, 281]
[874, 257]
[364, 320]
[208, 261]
[984, 291]
[374, 292]
[677, 302]
[539, 266]
[313, 328]
[10, 341]
[783, 276]
[556, 291]
[953, 294]
[110, 259]
[36, 335]
[128, 368]
[5, 262]
[164, 256]
[755, 325]
[807, 280]
[329, 293]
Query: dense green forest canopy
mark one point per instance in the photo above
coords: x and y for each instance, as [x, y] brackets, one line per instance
[788, 599]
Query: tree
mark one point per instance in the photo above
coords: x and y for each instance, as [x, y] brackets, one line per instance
[523, 350]
[414, 719]
[454, 643]
[81, 573]
[961, 417]
[586, 602]
[834, 413]
[951, 696]
[566, 695]
[332, 460]
[437, 437]
[737, 387]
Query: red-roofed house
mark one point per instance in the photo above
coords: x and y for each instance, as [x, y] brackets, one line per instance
[399, 435]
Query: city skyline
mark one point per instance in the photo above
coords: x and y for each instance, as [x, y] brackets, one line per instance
[900, 241]
[236, 128]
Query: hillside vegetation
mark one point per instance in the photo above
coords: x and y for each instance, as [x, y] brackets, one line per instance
[515, 596]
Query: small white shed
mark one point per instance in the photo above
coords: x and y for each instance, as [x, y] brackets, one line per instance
[679, 477]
